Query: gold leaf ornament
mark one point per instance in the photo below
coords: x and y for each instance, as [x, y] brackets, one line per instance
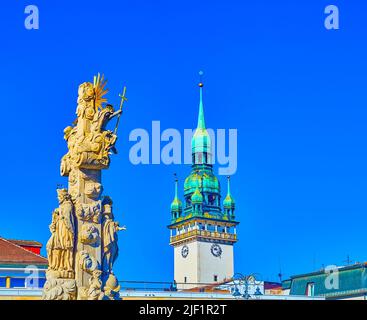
[99, 84]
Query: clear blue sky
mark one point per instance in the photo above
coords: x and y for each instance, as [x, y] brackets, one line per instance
[295, 91]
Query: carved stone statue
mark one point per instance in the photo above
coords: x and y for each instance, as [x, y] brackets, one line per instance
[89, 143]
[83, 243]
[60, 247]
[110, 237]
[66, 232]
[95, 286]
[53, 244]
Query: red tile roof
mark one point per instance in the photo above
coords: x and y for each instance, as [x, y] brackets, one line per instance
[29, 243]
[11, 253]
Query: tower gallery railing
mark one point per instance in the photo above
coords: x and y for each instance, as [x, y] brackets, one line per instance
[204, 233]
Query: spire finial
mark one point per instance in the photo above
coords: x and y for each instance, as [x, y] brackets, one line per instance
[228, 185]
[201, 120]
[176, 183]
[201, 84]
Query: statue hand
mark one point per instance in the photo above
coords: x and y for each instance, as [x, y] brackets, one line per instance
[114, 114]
[121, 228]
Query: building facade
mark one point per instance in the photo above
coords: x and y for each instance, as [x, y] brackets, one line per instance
[202, 231]
[342, 283]
[21, 265]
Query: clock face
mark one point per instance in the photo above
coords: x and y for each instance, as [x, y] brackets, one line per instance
[216, 250]
[185, 251]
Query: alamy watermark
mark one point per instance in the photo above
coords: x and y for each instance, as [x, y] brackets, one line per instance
[331, 22]
[332, 19]
[32, 281]
[31, 21]
[172, 147]
[332, 277]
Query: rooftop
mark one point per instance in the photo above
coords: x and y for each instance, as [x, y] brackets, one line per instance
[352, 280]
[356, 265]
[11, 253]
[30, 243]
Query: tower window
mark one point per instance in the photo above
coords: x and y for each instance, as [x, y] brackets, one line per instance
[211, 200]
[215, 278]
[199, 159]
[188, 202]
[185, 279]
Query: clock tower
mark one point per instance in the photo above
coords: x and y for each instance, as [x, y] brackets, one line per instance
[203, 231]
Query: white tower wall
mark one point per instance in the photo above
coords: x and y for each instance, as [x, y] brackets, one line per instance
[200, 266]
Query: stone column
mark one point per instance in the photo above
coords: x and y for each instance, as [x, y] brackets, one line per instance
[85, 188]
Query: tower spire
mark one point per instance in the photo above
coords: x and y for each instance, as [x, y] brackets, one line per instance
[200, 143]
[228, 185]
[201, 120]
[229, 203]
[176, 183]
[176, 205]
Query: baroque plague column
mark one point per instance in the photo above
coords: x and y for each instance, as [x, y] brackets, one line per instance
[84, 244]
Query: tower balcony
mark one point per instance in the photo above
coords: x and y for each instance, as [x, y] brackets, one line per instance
[203, 235]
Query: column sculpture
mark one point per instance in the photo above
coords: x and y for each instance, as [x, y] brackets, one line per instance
[84, 243]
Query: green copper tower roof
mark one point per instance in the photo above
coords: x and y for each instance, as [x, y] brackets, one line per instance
[202, 175]
[202, 198]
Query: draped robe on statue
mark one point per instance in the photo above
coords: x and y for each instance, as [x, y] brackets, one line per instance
[110, 247]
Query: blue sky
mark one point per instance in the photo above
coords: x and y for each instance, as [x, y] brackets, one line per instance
[295, 91]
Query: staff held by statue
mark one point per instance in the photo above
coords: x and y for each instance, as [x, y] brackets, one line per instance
[119, 112]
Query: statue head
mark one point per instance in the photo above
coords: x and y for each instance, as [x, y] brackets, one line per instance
[107, 207]
[93, 91]
[63, 195]
[85, 92]
[110, 108]
[107, 201]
